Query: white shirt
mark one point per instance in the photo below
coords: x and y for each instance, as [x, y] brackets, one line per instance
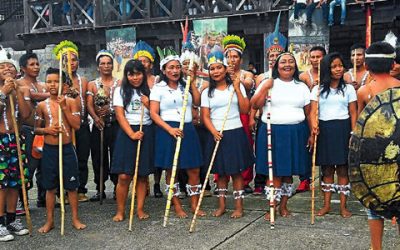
[336, 105]
[287, 102]
[133, 110]
[171, 102]
[218, 105]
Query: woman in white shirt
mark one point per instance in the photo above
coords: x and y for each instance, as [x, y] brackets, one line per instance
[290, 105]
[337, 117]
[128, 101]
[166, 100]
[234, 153]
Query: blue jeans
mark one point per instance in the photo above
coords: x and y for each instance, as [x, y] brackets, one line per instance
[332, 7]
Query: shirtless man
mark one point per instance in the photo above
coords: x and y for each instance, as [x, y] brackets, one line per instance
[82, 135]
[104, 119]
[357, 56]
[310, 77]
[379, 61]
[34, 92]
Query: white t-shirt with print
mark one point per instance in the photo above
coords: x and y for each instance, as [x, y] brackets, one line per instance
[133, 110]
[171, 102]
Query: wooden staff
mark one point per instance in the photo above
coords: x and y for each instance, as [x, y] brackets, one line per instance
[354, 65]
[21, 168]
[101, 165]
[135, 176]
[178, 146]
[314, 155]
[193, 223]
[60, 150]
[270, 165]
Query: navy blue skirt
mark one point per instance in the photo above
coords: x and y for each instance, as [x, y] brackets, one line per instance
[333, 142]
[234, 153]
[290, 155]
[124, 157]
[190, 155]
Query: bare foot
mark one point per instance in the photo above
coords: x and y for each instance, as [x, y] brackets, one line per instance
[323, 211]
[78, 225]
[219, 212]
[345, 213]
[237, 214]
[118, 217]
[142, 215]
[284, 212]
[180, 213]
[200, 213]
[46, 228]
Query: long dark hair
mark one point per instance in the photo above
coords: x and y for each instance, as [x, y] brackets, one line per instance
[127, 90]
[213, 84]
[275, 72]
[326, 73]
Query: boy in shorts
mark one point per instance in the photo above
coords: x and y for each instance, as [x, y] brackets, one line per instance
[46, 123]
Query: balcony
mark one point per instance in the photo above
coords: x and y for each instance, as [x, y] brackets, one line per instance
[45, 16]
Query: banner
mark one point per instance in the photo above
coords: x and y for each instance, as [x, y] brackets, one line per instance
[208, 35]
[302, 37]
[121, 42]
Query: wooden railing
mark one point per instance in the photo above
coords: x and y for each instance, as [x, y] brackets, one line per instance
[46, 15]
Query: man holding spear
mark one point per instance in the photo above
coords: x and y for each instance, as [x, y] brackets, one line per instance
[11, 154]
[104, 132]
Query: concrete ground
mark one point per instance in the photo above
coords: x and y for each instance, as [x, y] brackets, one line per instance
[249, 232]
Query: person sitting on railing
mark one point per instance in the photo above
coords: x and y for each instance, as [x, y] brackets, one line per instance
[309, 6]
[77, 11]
[332, 5]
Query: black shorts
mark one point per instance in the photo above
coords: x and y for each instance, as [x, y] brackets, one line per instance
[50, 168]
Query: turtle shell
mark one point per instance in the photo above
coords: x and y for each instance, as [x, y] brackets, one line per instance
[374, 155]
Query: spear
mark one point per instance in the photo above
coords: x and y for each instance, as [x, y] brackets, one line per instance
[135, 176]
[178, 146]
[21, 168]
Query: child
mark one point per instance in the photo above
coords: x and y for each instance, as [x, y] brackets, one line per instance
[47, 124]
[10, 181]
[128, 100]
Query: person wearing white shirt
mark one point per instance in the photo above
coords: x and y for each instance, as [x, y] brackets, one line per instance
[129, 100]
[234, 154]
[337, 105]
[290, 105]
[166, 109]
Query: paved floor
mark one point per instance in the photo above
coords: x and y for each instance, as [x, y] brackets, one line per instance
[249, 232]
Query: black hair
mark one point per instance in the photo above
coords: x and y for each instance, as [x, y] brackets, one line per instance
[326, 73]
[318, 48]
[379, 65]
[164, 78]
[275, 73]
[251, 63]
[357, 46]
[397, 59]
[23, 60]
[133, 66]
[98, 59]
[213, 84]
[56, 71]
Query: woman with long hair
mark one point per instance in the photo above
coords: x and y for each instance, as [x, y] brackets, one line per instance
[128, 101]
[290, 106]
[234, 153]
[166, 109]
[337, 105]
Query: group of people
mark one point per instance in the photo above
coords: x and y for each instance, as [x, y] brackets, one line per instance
[323, 101]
